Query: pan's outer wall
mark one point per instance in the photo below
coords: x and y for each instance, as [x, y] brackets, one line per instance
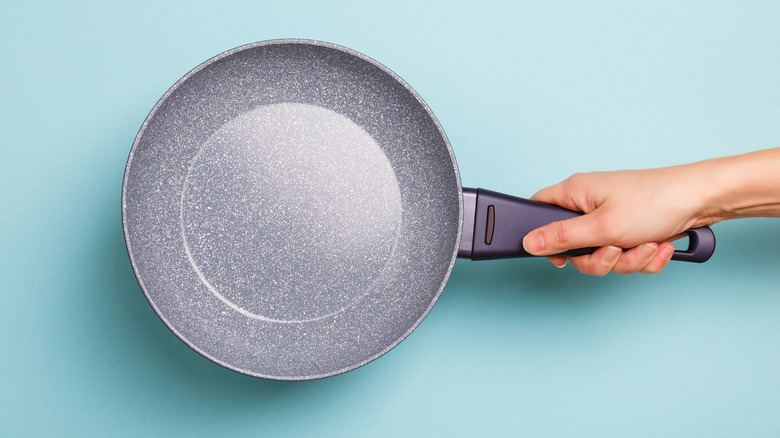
[326, 76]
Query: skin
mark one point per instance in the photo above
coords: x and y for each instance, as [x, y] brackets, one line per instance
[645, 209]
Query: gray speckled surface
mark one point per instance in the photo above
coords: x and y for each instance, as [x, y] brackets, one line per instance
[291, 209]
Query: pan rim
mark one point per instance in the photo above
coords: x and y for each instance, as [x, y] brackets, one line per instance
[229, 53]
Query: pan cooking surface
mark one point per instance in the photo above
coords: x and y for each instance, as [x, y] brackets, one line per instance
[266, 204]
[291, 209]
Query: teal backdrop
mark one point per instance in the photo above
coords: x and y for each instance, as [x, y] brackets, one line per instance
[528, 93]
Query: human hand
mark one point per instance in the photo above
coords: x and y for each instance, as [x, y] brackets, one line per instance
[637, 209]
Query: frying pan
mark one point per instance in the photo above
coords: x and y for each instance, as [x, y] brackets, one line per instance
[292, 210]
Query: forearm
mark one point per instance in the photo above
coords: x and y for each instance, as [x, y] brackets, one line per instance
[740, 186]
[642, 209]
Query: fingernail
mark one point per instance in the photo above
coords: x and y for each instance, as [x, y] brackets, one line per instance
[667, 252]
[562, 265]
[533, 242]
[611, 254]
[647, 250]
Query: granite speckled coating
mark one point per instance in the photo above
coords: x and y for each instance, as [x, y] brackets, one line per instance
[292, 209]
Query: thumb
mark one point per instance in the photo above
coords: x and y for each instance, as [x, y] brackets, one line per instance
[557, 237]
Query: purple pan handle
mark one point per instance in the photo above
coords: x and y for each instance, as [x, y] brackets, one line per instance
[501, 221]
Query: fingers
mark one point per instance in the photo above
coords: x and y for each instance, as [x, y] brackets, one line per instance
[616, 215]
[648, 258]
[599, 263]
[635, 259]
[554, 194]
[660, 260]
[575, 193]
[561, 236]
[559, 262]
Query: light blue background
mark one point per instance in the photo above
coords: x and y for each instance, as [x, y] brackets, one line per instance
[528, 92]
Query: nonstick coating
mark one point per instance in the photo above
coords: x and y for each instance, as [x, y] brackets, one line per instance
[292, 209]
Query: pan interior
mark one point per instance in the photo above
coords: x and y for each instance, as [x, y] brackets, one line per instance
[290, 212]
[291, 209]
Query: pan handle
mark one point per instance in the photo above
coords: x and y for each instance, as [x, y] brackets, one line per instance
[501, 221]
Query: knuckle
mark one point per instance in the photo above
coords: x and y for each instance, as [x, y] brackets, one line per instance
[578, 183]
[653, 268]
[587, 265]
[598, 271]
[626, 266]
[557, 235]
[601, 272]
[625, 271]
[561, 232]
[576, 178]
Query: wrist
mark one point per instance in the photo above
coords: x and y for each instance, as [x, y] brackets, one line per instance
[739, 186]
